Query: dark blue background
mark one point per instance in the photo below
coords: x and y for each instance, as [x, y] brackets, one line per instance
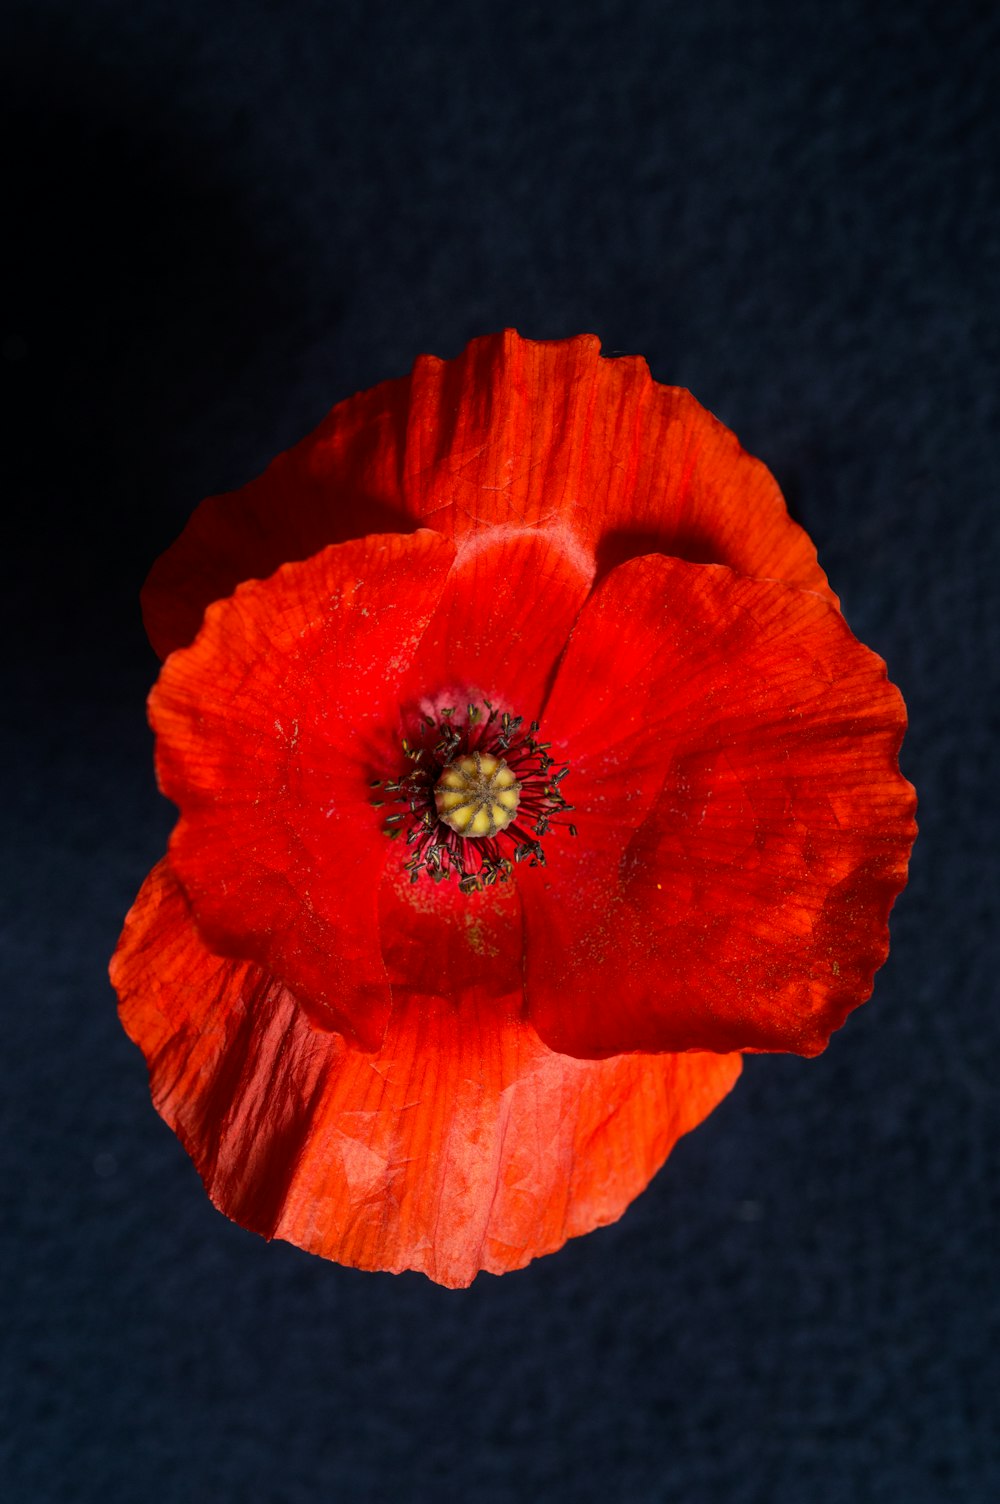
[226, 217]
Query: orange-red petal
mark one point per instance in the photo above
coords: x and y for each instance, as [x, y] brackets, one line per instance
[513, 433]
[743, 824]
[463, 1145]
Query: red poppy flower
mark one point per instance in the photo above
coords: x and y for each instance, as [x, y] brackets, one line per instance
[528, 774]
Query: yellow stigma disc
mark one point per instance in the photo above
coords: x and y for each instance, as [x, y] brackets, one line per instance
[477, 795]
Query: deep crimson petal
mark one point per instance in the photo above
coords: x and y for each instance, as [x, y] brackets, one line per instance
[279, 847]
[744, 828]
[339, 483]
[463, 1145]
[514, 433]
[443, 944]
[269, 729]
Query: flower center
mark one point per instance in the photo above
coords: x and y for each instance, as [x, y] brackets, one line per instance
[479, 796]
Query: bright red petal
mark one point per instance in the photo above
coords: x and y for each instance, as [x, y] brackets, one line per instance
[270, 728]
[274, 725]
[502, 623]
[463, 1145]
[743, 825]
[440, 943]
[513, 433]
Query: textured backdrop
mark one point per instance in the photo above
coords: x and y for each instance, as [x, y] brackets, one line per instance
[224, 217]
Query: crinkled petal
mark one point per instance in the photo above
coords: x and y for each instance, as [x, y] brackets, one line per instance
[743, 824]
[296, 697]
[270, 729]
[505, 613]
[513, 433]
[551, 434]
[463, 1145]
[440, 943]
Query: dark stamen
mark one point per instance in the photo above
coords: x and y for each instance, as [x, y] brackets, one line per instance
[442, 852]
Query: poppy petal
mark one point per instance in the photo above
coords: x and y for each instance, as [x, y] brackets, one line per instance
[268, 729]
[438, 942]
[743, 825]
[502, 622]
[551, 434]
[463, 1145]
[513, 433]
